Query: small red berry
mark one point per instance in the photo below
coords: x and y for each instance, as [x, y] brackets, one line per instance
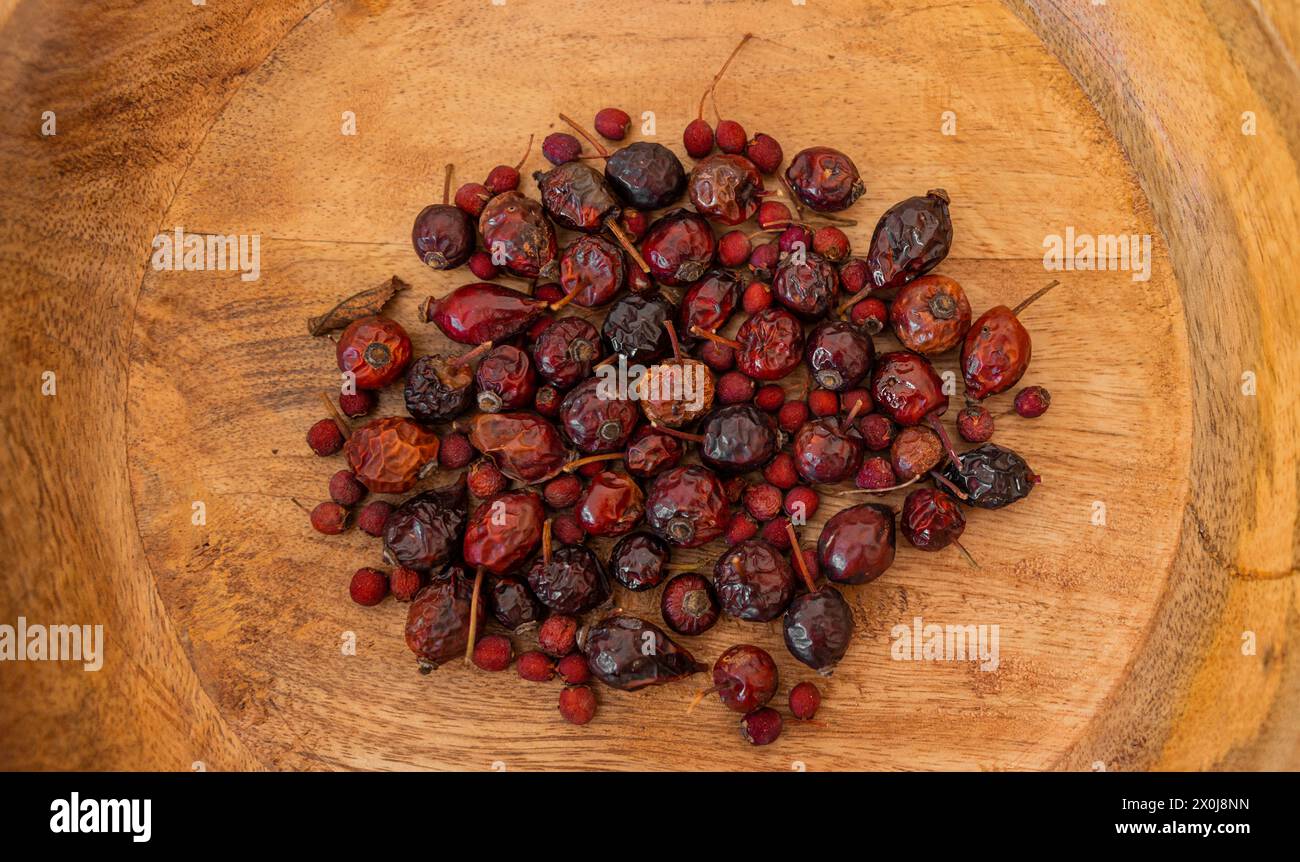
[345, 489]
[717, 356]
[480, 263]
[757, 297]
[734, 248]
[567, 530]
[769, 397]
[794, 237]
[472, 197]
[792, 415]
[823, 402]
[357, 403]
[761, 727]
[562, 491]
[636, 223]
[324, 437]
[780, 471]
[577, 704]
[764, 260]
[848, 399]
[774, 214]
[539, 326]
[368, 587]
[485, 479]
[1033, 401]
[742, 526]
[591, 470]
[763, 501]
[612, 124]
[698, 139]
[559, 148]
[731, 137]
[765, 153]
[535, 666]
[549, 291]
[975, 424]
[874, 474]
[804, 700]
[775, 534]
[493, 653]
[547, 401]
[854, 275]
[372, 518]
[405, 583]
[558, 635]
[502, 178]
[329, 518]
[801, 502]
[735, 388]
[455, 452]
[877, 431]
[870, 314]
[831, 243]
[637, 281]
[573, 669]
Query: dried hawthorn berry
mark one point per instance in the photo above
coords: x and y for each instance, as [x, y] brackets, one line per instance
[753, 581]
[698, 139]
[471, 198]
[808, 288]
[634, 327]
[635, 223]
[324, 437]
[931, 521]
[443, 236]
[915, 452]
[373, 516]
[735, 488]
[493, 653]
[535, 666]
[854, 275]
[794, 238]
[773, 215]
[502, 179]
[646, 175]
[480, 263]
[780, 471]
[547, 401]
[368, 587]
[774, 533]
[975, 424]
[825, 179]
[910, 239]
[455, 452]
[329, 518]
[761, 727]
[558, 635]
[769, 398]
[1033, 401]
[514, 605]
[734, 248]
[375, 350]
[485, 479]
[515, 229]
[831, 243]
[745, 677]
[764, 151]
[877, 431]
[823, 402]
[763, 501]
[763, 262]
[875, 474]
[612, 123]
[730, 137]
[757, 297]
[345, 489]
[687, 506]
[425, 531]
[405, 583]
[871, 315]
[640, 561]
[359, 403]
[801, 502]
[805, 698]
[629, 653]
[718, 357]
[562, 491]
[388, 455]
[567, 529]
[792, 416]
[561, 147]
[726, 188]
[577, 704]
[678, 247]
[856, 401]
[573, 669]
[742, 526]
[688, 604]
[735, 388]
[857, 544]
[991, 476]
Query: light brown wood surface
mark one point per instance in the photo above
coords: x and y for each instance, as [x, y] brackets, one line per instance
[1121, 645]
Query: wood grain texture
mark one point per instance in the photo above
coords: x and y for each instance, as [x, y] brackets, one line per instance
[1120, 645]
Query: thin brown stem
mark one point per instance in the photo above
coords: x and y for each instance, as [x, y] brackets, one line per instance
[563, 301]
[1036, 295]
[591, 459]
[680, 435]
[344, 427]
[911, 481]
[718, 77]
[696, 329]
[600, 148]
[794, 198]
[446, 184]
[852, 301]
[672, 339]
[949, 484]
[470, 355]
[800, 563]
[965, 553]
[546, 542]
[473, 616]
[527, 150]
[626, 241]
[853, 412]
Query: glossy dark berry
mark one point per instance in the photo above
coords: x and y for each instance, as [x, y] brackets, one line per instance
[762, 263]
[651, 452]
[640, 561]
[771, 344]
[761, 727]
[825, 179]
[577, 197]
[634, 327]
[646, 175]
[708, 303]
[594, 423]
[745, 677]
[438, 388]
[564, 351]
[375, 350]
[754, 581]
[774, 215]
[687, 506]
[629, 653]
[725, 188]
[443, 236]
[906, 388]
[611, 504]
[818, 628]
[930, 314]
[839, 355]
[827, 450]
[857, 544]
[991, 476]
[439, 619]
[807, 288]
[854, 275]
[368, 587]
[513, 604]
[524, 446]
[515, 229]
[678, 247]
[738, 438]
[592, 268]
[476, 313]
[875, 474]
[572, 583]
[910, 239]
[424, 532]
[688, 604]
[505, 379]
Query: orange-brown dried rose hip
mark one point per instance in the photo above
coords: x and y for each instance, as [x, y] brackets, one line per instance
[389, 454]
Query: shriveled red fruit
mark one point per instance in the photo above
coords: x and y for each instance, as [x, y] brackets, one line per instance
[535, 666]
[734, 248]
[345, 489]
[455, 452]
[493, 653]
[914, 452]
[771, 344]
[368, 587]
[389, 455]
[764, 151]
[794, 238]
[975, 424]
[753, 580]
[764, 260]
[472, 197]
[769, 398]
[573, 669]
[774, 215]
[757, 297]
[793, 414]
[774, 533]
[870, 314]
[850, 399]
[730, 137]
[735, 388]
[687, 506]
[877, 431]
[717, 356]
[689, 604]
[480, 263]
[824, 179]
[548, 292]
[612, 123]
[745, 677]
[854, 275]
[610, 505]
[636, 223]
[562, 491]
[324, 437]
[329, 518]
[801, 502]
[761, 727]
[698, 139]
[831, 243]
[734, 487]
[907, 389]
[559, 148]
[725, 188]
[485, 479]
[780, 471]
[1033, 401]
[763, 501]
[376, 350]
[359, 403]
[857, 544]
[805, 698]
[875, 474]
[930, 315]
[405, 583]
[567, 530]
[742, 526]
[679, 247]
[558, 635]
[374, 516]
[577, 704]
[823, 402]
[480, 312]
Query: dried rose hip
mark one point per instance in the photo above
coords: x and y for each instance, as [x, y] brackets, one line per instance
[827, 450]
[906, 388]
[595, 423]
[592, 268]
[771, 344]
[628, 653]
[738, 438]
[443, 236]
[709, 303]
[991, 476]
[807, 288]
[611, 505]
[374, 349]
[425, 531]
[506, 380]
[678, 247]
[481, 312]
[687, 506]
[910, 239]
[634, 327]
[524, 446]
[438, 621]
[931, 314]
[518, 236]
[727, 188]
[825, 179]
[931, 521]
[975, 424]
[754, 581]
[513, 605]
[995, 354]
[818, 628]
[646, 175]
[639, 561]
[576, 196]
[688, 604]
[915, 452]
[388, 455]
[839, 355]
[438, 387]
[565, 350]
[651, 452]
[572, 582]
[857, 544]
[503, 531]
[745, 677]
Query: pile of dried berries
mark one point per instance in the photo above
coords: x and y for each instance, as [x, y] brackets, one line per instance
[537, 468]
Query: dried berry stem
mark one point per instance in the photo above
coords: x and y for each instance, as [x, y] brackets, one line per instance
[473, 615]
[527, 150]
[446, 185]
[965, 553]
[600, 148]
[852, 301]
[853, 412]
[943, 437]
[696, 329]
[626, 241]
[344, 427]
[546, 542]
[718, 77]
[680, 435]
[591, 459]
[470, 355]
[897, 487]
[701, 694]
[794, 198]
[672, 339]
[300, 505]
[563, 301]
[1029, 300]
[944, 481]
[800, 563]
